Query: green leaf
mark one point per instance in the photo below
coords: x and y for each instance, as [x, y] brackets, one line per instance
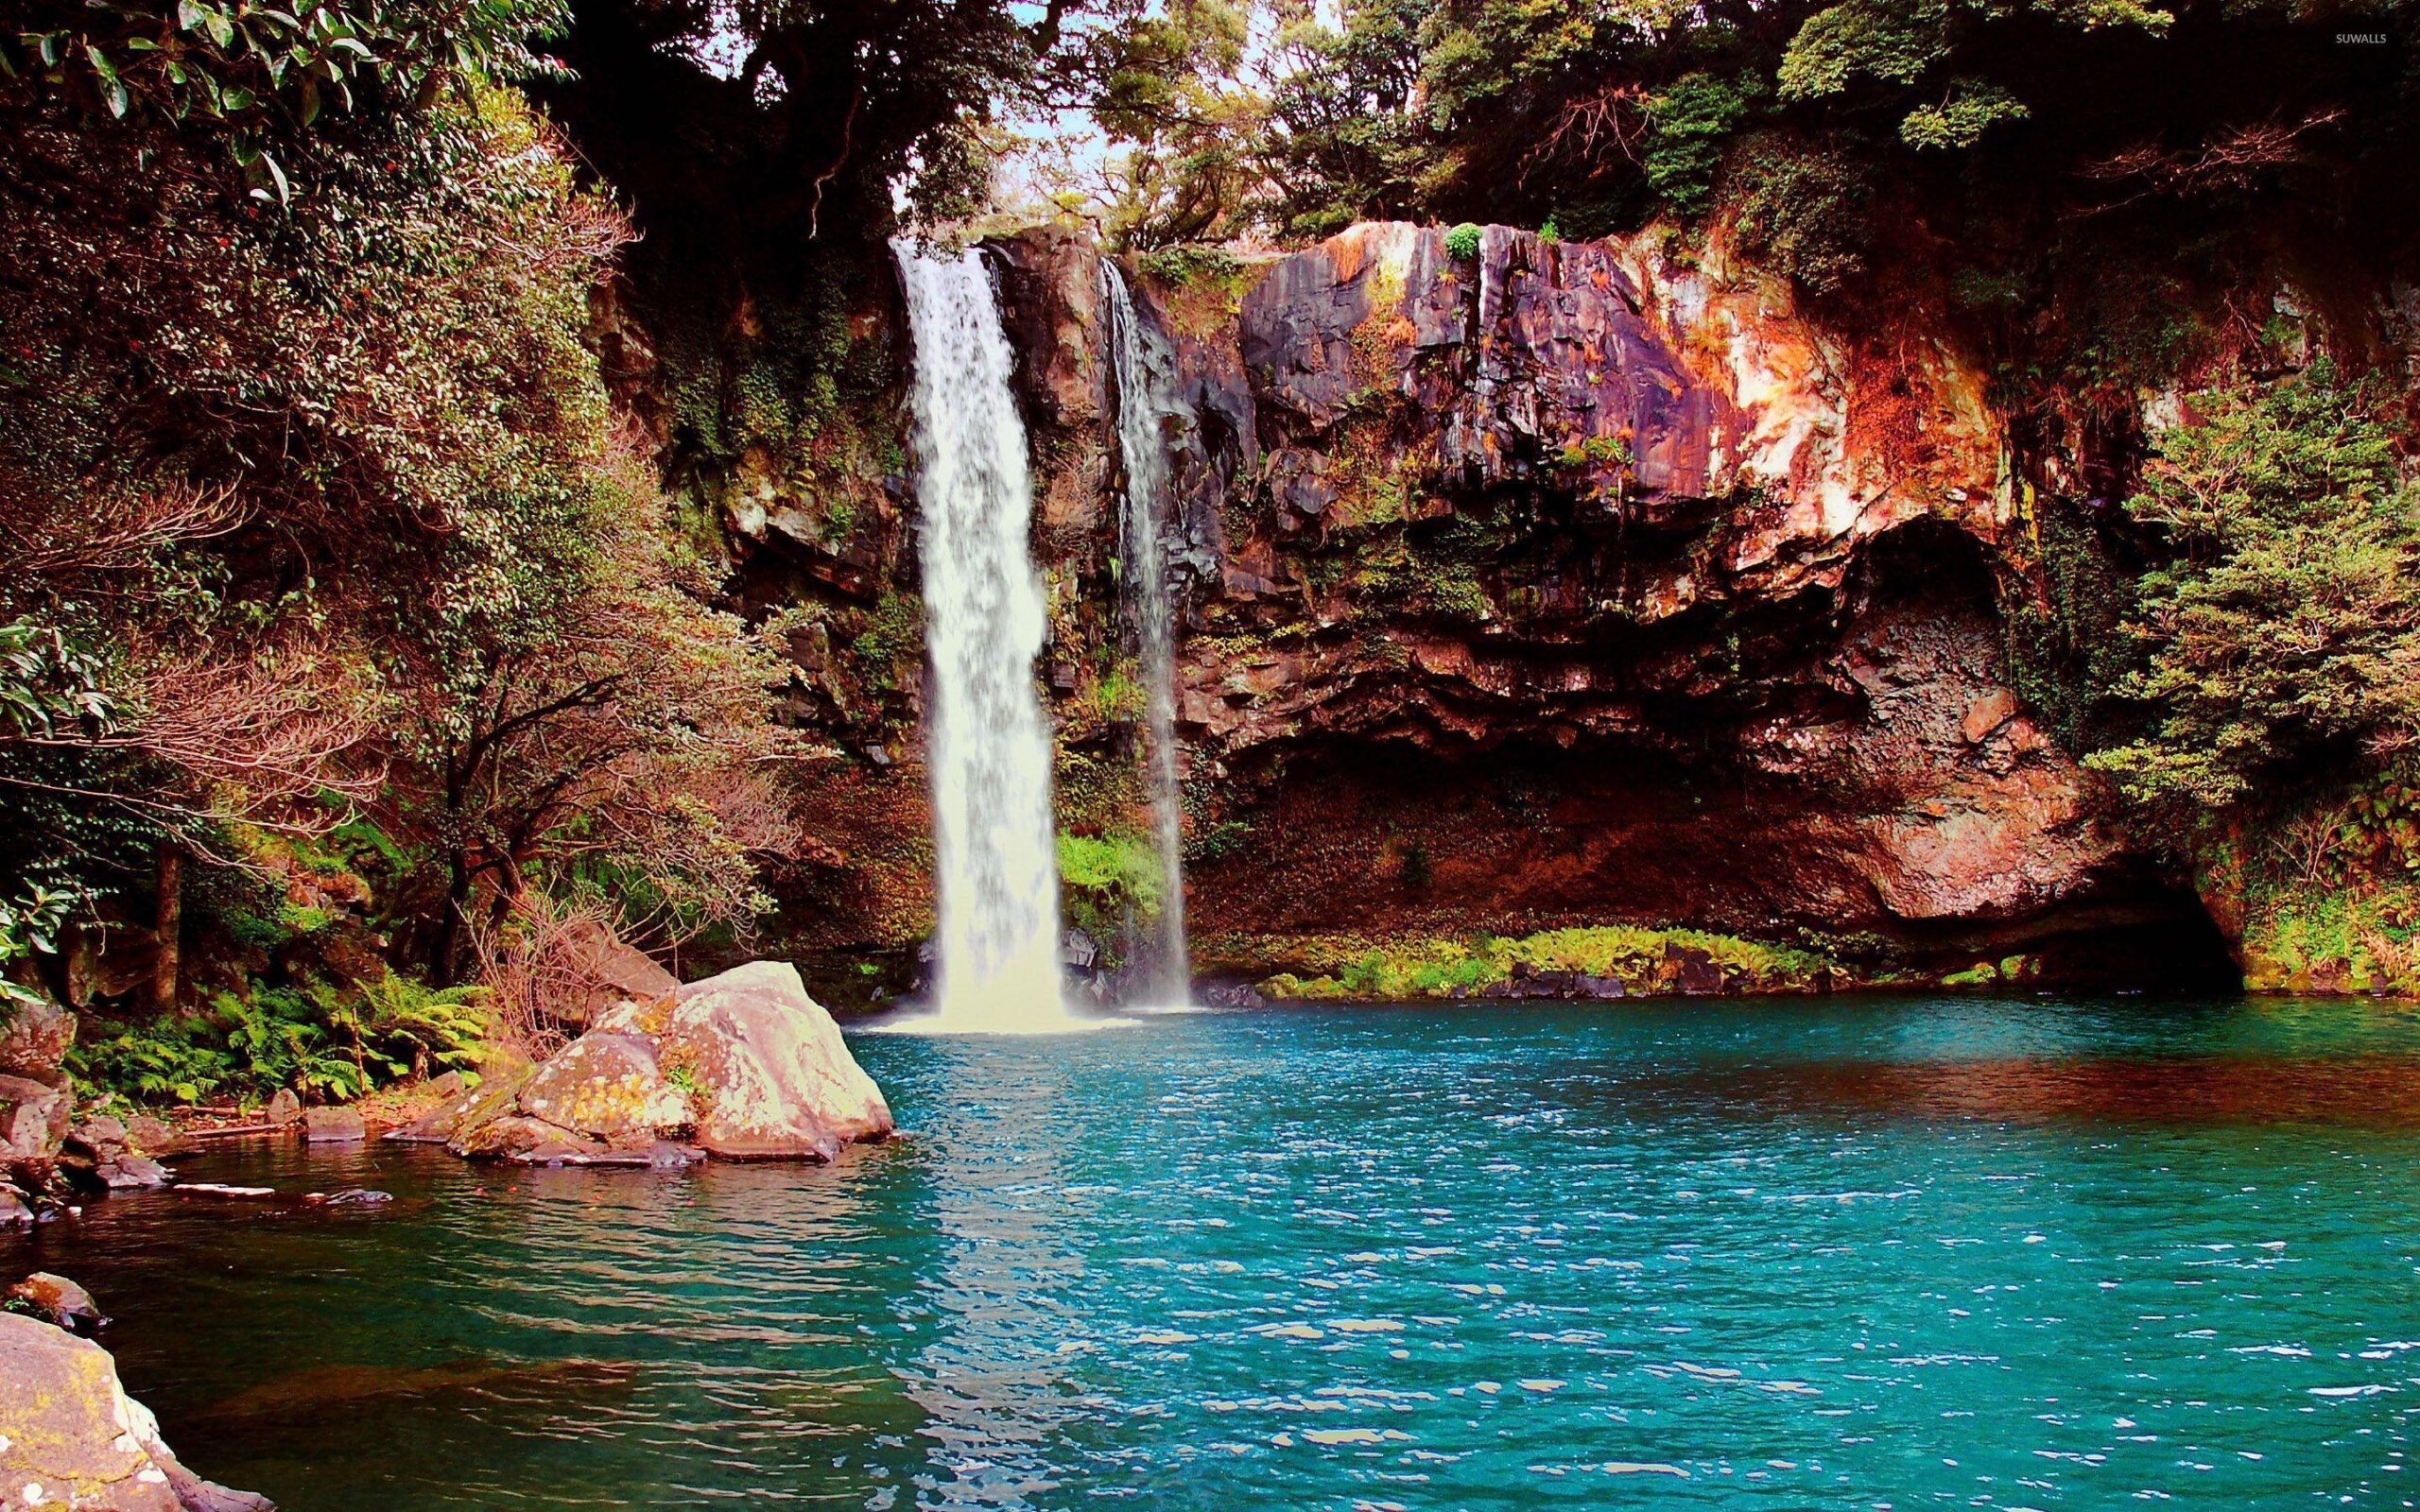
[113, 89]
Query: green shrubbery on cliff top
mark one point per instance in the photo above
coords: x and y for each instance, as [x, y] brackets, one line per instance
[2281, 638]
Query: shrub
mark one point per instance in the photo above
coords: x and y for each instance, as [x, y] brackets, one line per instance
[1801, 209]
[1690, 127]
[322, 1041]
[1462, 243]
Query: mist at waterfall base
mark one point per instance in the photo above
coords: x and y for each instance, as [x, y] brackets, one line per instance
[987, 743]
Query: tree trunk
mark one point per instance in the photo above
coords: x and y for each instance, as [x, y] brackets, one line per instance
[449, 924]
[166, 925]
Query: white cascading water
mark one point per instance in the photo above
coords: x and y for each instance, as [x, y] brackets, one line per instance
[987, 743]
[1144, 400]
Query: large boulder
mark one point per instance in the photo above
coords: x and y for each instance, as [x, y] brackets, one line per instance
[74, 1438]
[743, 1066]
[773, 1079]
[35, 1038]
[33, 1122]
[608, 1086]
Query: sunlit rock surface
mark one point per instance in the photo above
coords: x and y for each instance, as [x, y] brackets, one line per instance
[743, 1066]
[70, 1438]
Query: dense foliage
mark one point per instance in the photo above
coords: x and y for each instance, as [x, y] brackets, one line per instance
[316, 522]
[2283, 633]
[2010, 137]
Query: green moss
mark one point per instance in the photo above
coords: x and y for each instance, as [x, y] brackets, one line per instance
[1189, 266]
[894, 632]
[1648, 962]
[1106, 880]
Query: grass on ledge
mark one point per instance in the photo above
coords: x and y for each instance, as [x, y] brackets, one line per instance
[1645, 960]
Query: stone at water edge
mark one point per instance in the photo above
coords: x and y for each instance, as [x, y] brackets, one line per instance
[774, 1079]
[285, 1110]
[333, 1125]
[58, 1301]
[100, 1136]
[469, 1106]
[156, 1137]
[131, 1172]
[74, 1438]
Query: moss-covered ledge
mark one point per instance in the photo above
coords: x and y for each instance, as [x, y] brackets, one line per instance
[1598, 961]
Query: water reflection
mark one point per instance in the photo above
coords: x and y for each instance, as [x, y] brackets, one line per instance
[994, 1377]
[2368, 1090]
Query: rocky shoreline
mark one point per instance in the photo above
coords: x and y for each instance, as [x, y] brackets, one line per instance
[70, 1436]
[742, 1066]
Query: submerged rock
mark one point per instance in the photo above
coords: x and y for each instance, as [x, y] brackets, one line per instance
[74, 1438]
[350, 1197]
[58, 1301]
[743, 1066]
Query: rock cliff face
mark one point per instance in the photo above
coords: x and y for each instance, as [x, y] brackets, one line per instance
[1567, 584]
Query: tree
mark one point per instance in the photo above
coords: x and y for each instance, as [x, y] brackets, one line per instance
[598, 716]
[2282, 639]
[311, 496]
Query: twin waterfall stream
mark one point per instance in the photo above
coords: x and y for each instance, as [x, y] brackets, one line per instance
[996, 942]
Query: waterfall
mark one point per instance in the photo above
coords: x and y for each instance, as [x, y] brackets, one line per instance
[987, 742]
[1144, 402]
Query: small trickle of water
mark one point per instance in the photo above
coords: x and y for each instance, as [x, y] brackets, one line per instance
[1165, 976]
[987, 743]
